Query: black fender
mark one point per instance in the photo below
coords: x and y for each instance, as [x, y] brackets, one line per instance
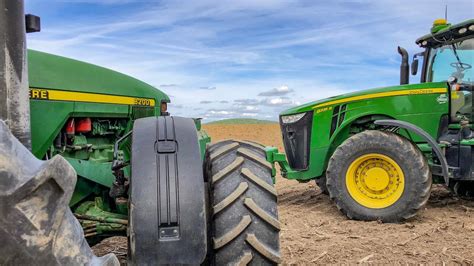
[168, 219]
[432, 142]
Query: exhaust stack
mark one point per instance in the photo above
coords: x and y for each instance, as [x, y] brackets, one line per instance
[14, 91]
[404, 68]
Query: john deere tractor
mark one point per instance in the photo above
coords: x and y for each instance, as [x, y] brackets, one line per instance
[377, 152]
[104, 149]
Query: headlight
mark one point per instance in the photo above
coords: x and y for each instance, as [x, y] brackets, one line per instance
[288, 119]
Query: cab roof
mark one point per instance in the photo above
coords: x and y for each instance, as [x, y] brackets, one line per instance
[446, 32]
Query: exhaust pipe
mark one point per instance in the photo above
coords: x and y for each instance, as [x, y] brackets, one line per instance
[14, 91]
[404, 68]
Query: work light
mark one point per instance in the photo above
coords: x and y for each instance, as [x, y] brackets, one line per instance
[288, 119]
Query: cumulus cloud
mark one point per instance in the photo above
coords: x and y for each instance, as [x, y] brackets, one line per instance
[280, 91]
[205, 102]
[247, 102]
[221, 112]
[218, 114]
[208, 88]
[248, 108]
[278, 101]
[168, 85]
[224, 101]
[252, 104]
[249, 114]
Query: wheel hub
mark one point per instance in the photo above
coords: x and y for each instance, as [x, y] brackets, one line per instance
[375, 181]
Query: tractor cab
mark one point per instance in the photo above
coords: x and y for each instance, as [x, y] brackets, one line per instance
[449, 56]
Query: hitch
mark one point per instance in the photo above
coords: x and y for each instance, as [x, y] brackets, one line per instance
[273, 156]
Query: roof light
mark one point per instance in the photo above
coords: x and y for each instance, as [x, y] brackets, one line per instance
[462, 30]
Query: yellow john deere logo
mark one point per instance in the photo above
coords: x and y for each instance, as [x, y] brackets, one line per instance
[443, 98]
[39, 94]
[72, 96]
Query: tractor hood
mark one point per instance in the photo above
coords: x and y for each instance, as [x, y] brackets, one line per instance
[367, 94]
[49, 71]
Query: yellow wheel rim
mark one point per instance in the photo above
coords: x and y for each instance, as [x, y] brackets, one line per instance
[375, 181]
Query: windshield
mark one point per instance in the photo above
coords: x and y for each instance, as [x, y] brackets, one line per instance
[452, 60]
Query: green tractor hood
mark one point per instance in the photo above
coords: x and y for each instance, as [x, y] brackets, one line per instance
[49, 71]
[364, 95]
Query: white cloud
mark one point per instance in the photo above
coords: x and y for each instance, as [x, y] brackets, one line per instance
[249, 114]
[280, 91]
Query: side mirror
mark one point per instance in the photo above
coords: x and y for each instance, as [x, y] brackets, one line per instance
[32, 23]
[414, 66]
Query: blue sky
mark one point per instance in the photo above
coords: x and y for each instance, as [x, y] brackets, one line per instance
[242, 58]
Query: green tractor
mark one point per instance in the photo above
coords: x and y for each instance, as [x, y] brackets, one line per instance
[141, 172]
[377, 152]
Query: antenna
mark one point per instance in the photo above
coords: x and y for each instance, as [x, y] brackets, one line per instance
[446, 12]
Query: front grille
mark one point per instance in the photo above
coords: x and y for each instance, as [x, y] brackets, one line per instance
[297, 138]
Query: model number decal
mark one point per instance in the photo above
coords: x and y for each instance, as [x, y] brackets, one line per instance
[422, 91]
[140, 101]
[324, 109]
[39, 94]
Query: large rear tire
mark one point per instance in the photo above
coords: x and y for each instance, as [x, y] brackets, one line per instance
[245, 227]
[36, 225]
[377, 175]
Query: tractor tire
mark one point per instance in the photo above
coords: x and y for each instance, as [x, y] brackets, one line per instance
[244, 217]
[37, 226]
[463, 189]
[321, 183]
[377, 175]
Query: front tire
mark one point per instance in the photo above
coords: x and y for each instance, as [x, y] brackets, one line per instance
[245, 227]
[377, 175]
[321, 183]
[463, 189]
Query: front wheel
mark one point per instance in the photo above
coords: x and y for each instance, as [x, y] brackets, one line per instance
[377, 175]
[321, 183]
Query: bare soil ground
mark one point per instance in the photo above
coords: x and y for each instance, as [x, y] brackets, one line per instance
[315, 232]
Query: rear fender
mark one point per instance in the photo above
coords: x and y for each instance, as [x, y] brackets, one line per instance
[168, 220]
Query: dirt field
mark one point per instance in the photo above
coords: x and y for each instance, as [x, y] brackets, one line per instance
[315, 232]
